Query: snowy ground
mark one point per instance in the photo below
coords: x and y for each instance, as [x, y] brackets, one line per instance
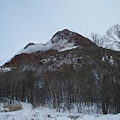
[46, 114]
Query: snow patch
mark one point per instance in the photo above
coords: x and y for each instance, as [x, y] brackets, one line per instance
[35, 48]
[26, 106]
[111, 60]
[68, 48]
[5, 69]
[54, 44]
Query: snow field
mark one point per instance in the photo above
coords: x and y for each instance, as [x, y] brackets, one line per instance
[46, 114]
[37, 115]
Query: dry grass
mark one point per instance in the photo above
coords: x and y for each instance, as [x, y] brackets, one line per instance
[13, 107]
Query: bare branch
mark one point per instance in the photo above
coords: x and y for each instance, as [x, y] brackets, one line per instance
[98, 40]
[113, 33]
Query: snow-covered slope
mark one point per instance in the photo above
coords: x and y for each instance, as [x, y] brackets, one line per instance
[61, 40]
[49, 45]
[58, 41]
[37, 115]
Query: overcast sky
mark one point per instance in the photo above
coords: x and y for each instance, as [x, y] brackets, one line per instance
[24, 21]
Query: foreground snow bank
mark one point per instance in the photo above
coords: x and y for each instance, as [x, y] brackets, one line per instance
[47, 114]
[37, 115]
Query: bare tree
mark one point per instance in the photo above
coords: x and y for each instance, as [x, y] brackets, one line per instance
[98, 40]
[113, 34]
[111, 38]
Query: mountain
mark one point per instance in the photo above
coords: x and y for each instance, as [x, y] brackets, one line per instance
[66, 73]
[62, 40]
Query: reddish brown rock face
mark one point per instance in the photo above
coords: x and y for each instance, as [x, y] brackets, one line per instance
[21, 59]
[24, 58]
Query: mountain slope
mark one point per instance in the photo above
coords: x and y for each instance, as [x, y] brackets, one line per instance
[62, 40]
[64, 79]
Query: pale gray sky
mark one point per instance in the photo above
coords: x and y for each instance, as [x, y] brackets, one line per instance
[24, 21]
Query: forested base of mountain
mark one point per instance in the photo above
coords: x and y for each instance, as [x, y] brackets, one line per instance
[93, 80]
